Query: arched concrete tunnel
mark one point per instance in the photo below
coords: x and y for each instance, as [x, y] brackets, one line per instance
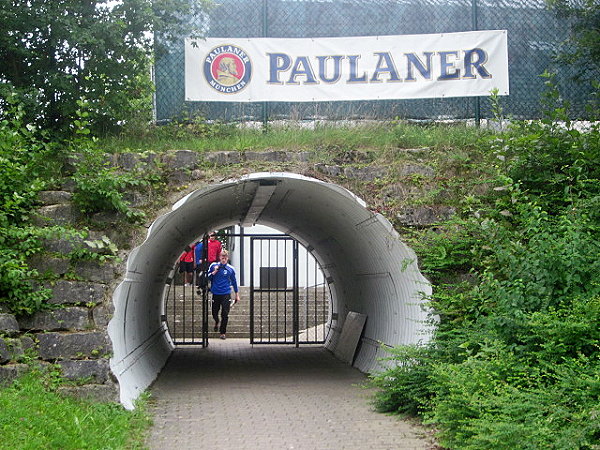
[368, 269]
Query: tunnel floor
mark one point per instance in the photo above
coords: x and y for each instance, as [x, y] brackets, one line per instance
[232, 395]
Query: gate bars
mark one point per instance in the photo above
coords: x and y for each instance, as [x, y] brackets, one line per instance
[280, 311]
[182, 303]
[289, 299]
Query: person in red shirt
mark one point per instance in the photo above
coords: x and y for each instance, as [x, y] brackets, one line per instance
[186, 264]
[214, 247]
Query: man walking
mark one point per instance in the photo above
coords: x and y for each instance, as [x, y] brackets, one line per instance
[222, 277]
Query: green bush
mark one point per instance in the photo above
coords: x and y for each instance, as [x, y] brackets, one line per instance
[24, 159]
[101, 187]
[515, 359]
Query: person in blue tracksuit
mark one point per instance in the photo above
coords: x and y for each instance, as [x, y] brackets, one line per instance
[222, 278]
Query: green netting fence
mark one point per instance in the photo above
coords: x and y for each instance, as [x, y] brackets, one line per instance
[534, 36]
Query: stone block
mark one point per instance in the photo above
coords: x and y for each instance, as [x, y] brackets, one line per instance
[94, 392]
[54, 197]
[223, 158]
[72, 345]
[425, 215]
[67, 244]
[268, 156]
[13, 349]
[334, 171]
[130, 161]
[10, 372]
[302, 156]
[69, 185]
[95, 369]
[413, 169]
[27, 343]
[8, 324]
[181, 159]
[365, 173]
[102, 314]
[108, 217]
[58, 244]
[180, 177]
[49, 264]
[401, 192]
[62, 214]
[5, 353]
[74, 318]
[197, 174]
[136, 199]
[102, 272]
[81, 292]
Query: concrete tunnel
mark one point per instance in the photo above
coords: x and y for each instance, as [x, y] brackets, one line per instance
[367, 268]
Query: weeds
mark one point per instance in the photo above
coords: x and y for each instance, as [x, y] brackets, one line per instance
[34, 415]
[516, 355]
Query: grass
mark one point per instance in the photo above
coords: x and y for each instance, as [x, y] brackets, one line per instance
[33, 415]
[203, 137]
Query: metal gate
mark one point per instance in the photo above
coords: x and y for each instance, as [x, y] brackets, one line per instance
[281, 310]
[288, 296]
[186, 308]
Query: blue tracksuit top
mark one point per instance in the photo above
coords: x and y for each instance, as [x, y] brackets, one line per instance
[198, 252]
[225, 278]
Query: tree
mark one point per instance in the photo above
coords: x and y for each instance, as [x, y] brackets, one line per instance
[55, 52]
[582, 47]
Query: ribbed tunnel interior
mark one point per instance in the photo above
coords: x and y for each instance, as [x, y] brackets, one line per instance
[368, 269]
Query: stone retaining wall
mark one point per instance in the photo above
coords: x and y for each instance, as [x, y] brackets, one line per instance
[73, 332]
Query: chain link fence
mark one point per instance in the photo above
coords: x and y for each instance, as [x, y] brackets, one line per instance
[534, 36]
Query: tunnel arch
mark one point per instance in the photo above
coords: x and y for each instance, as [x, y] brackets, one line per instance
[368, 269]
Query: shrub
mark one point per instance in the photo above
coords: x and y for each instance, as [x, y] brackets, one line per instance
[515, 359]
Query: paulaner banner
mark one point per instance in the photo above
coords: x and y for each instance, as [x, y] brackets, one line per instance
[347, 68]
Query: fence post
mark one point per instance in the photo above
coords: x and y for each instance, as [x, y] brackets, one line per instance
[474, 25]
[265, 24]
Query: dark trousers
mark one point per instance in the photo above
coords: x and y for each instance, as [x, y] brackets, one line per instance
[221, 302]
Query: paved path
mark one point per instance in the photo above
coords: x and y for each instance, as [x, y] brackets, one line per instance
[235, 396]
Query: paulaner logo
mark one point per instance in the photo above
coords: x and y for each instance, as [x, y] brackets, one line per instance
[227, 69]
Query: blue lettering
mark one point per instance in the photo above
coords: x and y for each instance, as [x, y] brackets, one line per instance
[445, 67]
[354, 78]
[423, 68]
[337, 72]
[475, 59]
[278, 62]
[302, 67]
[385, 64]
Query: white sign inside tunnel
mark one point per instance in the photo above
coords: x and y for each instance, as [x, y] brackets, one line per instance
[347, 68]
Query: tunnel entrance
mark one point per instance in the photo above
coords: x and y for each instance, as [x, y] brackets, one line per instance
[367, 268]
[284, 295]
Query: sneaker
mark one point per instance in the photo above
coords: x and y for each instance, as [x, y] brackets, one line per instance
[223, 336]
[216, 327]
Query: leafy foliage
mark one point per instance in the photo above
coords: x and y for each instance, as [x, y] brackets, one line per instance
[101, 187]
[28, 164]
[583, 45]
[55, 52]
[23, 155]
[516, 355]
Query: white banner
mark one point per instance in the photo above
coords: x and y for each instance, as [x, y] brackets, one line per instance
[347, 68]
